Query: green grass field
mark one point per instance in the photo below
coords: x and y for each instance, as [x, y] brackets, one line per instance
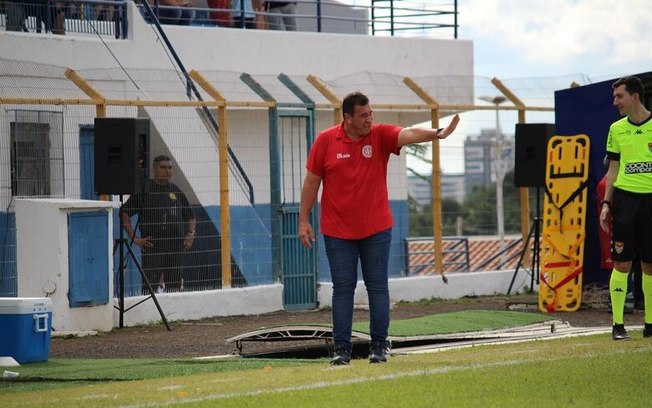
[591, 371]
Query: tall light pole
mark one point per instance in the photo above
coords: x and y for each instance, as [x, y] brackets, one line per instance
[498, 168]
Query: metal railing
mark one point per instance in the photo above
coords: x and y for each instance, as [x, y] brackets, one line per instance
[95, 17]
[109, 17]
[395, 16]
[504, 256]
[455, 255]
[382, 17]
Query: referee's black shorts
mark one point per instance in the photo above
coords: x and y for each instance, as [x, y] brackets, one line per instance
[632, 226]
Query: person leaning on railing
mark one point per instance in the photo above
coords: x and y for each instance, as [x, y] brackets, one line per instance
[281, 15]
[243, 13]
[178, 12]
[18, 11]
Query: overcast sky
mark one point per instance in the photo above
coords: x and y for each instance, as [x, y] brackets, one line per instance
[596, 39]
[521, 38]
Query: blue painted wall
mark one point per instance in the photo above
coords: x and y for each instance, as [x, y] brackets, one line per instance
[250, 248]
[251, 242]
[589, 110]
[8, 273]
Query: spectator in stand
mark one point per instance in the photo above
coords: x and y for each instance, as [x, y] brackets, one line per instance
[15, 17]
[220, 14]
[101, 12]
[52, 15]
[243, 14]
[177, 12]
[281, 15]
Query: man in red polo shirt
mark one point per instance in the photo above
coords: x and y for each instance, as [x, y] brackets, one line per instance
[350, 160]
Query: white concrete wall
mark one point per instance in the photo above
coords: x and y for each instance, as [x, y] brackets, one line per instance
[199, 305]
[269, 298]
[216, 51]
[251, 51]
[43, 265]
[433, 287]
[258, 52]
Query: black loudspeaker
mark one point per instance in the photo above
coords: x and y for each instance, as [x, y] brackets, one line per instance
[121, 155]
[531, 145]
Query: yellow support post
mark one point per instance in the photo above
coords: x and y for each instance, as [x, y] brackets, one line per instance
[100, 108]
[523, 191]
[336, 103]
[225, 220]
[437, 225]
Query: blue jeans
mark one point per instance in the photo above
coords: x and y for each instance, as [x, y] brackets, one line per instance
[343, 256]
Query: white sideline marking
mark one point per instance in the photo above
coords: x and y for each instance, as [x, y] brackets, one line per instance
[436, 348]
[359, 380]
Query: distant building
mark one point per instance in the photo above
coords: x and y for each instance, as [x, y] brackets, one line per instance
[480, 158]
[420, 189]
[452, 186]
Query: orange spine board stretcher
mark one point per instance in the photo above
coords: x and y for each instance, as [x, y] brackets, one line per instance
[564, 229]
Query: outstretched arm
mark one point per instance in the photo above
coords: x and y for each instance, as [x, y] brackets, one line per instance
[412, 135]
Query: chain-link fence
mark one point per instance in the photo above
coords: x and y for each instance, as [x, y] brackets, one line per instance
[242, 190]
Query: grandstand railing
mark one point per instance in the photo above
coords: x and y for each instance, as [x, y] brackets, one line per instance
[95, 17]
[110, 18]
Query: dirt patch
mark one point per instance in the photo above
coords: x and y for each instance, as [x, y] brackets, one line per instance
[208, 337]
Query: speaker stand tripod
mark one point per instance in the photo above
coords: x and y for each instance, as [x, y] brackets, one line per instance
[535, 233]
[123, 243]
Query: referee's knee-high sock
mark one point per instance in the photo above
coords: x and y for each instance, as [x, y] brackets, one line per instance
[618, 292]
[646, 283]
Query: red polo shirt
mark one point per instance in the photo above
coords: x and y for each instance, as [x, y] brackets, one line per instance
[354, 201]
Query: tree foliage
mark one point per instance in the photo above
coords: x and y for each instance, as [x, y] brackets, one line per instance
[478, 212]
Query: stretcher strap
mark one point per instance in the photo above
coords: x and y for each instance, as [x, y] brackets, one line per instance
[572, 264]
[551, 306]
[569, 200]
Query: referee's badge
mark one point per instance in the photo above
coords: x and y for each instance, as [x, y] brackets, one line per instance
[619, 246]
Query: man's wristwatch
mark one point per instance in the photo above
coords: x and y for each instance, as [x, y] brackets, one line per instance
[607, 202]
[192, 233]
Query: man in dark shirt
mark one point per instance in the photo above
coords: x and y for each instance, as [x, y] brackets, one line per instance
[167, 227]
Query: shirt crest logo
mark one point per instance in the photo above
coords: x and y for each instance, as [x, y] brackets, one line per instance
[172, 196]
[649, 147]
[367, 151]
